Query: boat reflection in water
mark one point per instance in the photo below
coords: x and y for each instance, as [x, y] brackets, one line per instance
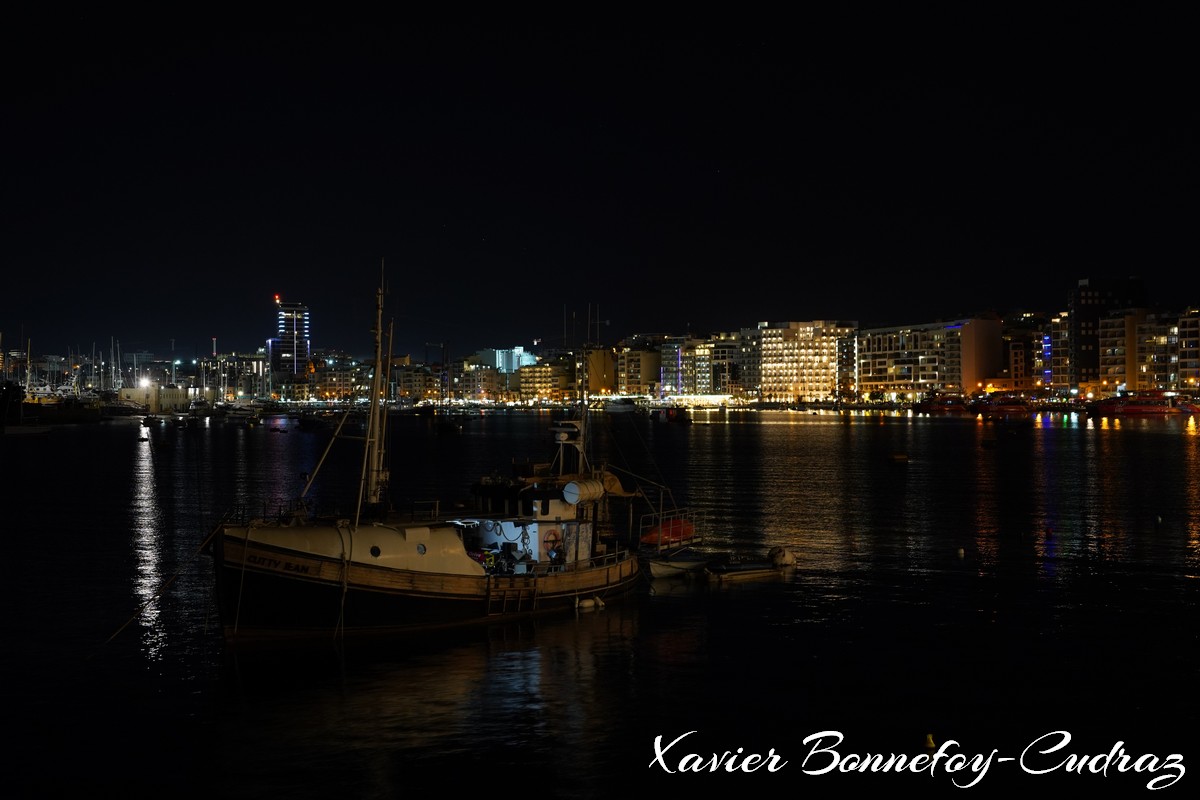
[527, 698]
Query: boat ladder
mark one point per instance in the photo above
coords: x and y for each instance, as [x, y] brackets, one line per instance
[511, 599]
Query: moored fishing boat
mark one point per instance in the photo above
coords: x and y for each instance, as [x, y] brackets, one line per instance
[537, 542]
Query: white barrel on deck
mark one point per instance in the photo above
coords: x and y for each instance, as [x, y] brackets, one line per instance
[583, 491]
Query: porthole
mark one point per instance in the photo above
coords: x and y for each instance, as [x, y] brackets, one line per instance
[375, 551]
[421, 549]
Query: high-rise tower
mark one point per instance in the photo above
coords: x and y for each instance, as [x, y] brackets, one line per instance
[291, 348]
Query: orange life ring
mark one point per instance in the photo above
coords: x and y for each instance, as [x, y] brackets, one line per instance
[552, 541]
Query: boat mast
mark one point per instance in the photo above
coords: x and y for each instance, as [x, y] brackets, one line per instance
[574, 433]
[375, 475]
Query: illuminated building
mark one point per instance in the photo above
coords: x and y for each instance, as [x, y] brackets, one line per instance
[638, 366]
[291, 348]
[289, 353]
[1058, 377]
[1189, 350]
[1118, 349]
[908, 361]
[547, 381]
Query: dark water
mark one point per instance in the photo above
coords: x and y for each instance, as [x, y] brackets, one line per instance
[986, 584]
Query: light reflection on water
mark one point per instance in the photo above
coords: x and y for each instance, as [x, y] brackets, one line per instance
[997, 577]
[148, 535]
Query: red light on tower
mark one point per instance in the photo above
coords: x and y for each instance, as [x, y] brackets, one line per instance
[276, 299]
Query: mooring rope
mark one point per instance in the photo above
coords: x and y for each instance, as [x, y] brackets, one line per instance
[162, 588]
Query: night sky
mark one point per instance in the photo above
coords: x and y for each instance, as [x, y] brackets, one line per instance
[163, 184]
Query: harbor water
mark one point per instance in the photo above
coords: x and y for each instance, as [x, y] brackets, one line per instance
[1016, 601]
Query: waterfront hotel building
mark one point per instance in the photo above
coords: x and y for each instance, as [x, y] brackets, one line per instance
[909, 361]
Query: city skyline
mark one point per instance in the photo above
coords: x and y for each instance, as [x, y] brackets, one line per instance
[506, 184]
[1110, 336]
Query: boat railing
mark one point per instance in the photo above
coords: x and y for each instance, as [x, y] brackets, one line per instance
[601, 558]
[280, 511]
[428, 510]
[605, 559]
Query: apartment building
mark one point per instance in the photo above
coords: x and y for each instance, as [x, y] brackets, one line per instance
[906, 362]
